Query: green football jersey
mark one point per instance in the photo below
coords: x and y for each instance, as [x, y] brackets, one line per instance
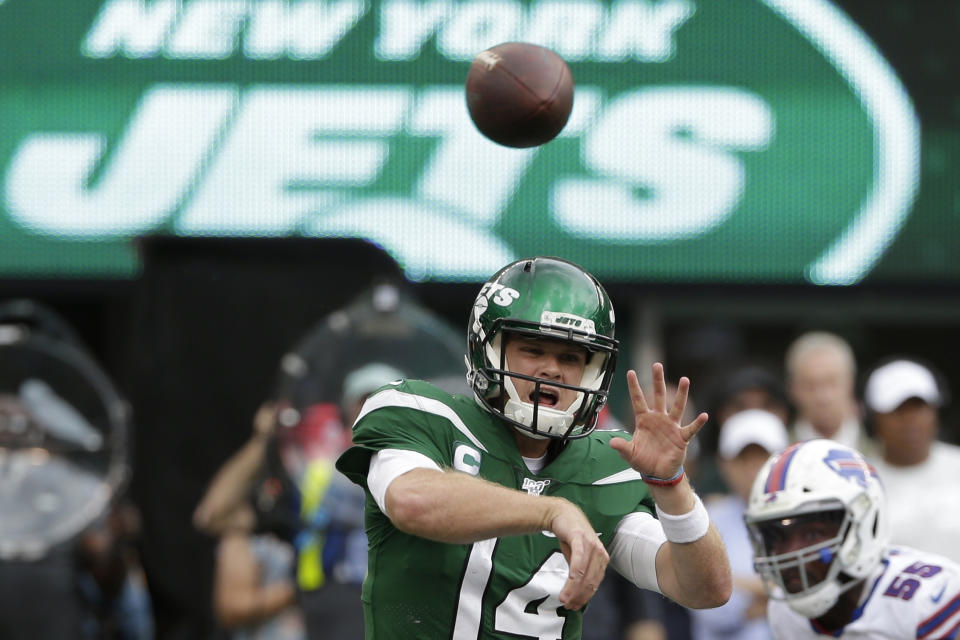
[501, 588]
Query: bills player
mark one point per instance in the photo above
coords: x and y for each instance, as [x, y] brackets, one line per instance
[817, 520]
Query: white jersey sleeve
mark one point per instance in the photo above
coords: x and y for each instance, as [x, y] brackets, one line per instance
[917, 595]
[633, 551]
[387, 465]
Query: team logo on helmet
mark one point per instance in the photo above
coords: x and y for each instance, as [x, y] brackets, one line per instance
[560, 320]
[848, 465]
[480, 306]
[499, 294]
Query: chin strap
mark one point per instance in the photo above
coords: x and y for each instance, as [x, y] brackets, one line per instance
[548, 420]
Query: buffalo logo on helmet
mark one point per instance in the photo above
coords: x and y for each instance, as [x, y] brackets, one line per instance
[848, 465]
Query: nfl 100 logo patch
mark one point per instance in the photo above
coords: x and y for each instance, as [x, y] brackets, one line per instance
[535, 486]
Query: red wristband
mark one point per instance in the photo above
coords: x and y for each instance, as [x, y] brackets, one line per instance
[664, 482]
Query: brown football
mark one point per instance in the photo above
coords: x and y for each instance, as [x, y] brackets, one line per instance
[519, 94]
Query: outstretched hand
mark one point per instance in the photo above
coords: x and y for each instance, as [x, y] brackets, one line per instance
[659, 444]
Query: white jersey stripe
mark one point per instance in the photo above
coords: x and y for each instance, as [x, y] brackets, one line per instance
[945, 620]
[396, 398]
[476, 576]
[627, 475]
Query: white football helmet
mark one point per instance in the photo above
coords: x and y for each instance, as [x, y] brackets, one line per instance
[817, 480]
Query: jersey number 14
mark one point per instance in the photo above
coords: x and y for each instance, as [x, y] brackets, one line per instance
[514, 614]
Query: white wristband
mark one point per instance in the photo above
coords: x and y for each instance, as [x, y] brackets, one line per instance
[688, 527]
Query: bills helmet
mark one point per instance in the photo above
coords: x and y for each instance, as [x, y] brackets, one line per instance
[545, 298]
[832, 487]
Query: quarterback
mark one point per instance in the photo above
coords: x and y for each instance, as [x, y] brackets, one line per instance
[817, 520]
[496, 515]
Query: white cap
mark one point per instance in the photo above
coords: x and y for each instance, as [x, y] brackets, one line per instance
[752, 426]
[892, 384]
[366, 379]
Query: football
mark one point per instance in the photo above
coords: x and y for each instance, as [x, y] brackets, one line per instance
[519, 94]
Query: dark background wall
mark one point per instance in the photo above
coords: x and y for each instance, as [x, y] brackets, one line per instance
[209, 322]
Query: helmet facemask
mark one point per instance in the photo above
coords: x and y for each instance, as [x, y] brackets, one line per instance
[789, 575]
[538, 420]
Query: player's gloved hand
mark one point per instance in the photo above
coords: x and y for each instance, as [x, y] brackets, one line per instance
[659, 444]
[584, 551]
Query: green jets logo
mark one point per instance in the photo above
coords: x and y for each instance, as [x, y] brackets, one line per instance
[711, 140]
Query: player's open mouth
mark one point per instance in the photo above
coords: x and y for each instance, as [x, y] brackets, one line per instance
[548, 397]
[792, 581]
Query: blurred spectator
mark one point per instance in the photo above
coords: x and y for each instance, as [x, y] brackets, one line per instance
[919, 473]
[91, 587]
[283, 480]
[69, 566]
[620, 611]
[111, 580]
[750, 386]
[302, 551]
[254, 594]
[821, 377]
[746, 440]
[360, 383]
[333, 510]
[230, 488]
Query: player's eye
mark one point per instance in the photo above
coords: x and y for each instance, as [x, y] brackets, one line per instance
[773, 535]
[574, 355]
